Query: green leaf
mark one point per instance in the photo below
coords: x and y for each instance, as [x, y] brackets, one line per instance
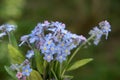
[67, 77]
[34, 75]
[39, 61]
[14, 54]
[12, 40]
[10, 72]
[79, 63]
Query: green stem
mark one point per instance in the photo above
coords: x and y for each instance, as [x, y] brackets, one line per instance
[29, 45]
[75, 52]
[49, 70]
[91, 37]
[56, 65]
[60, 71]
[9, 37]
[44, 74]
[28, 78]
[54, 74]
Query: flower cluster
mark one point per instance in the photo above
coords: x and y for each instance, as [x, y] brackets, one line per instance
[6, 28]
[53, 40]
[54, 43]
[103, 29]
[23, 70]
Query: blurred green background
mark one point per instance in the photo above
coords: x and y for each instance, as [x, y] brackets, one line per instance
[79, 16]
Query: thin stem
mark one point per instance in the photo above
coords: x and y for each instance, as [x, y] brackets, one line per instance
[9, 37]
[60, 70]
[91, 37]
[29, 45]
[56, 65]
[49, 71]
[44, 74]
[75, 52]
[54, 74]
[28, 78]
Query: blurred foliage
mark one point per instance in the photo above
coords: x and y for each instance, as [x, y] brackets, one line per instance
[11, 9]
[79, 16]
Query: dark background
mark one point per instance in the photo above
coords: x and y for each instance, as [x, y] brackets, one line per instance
[79, 16]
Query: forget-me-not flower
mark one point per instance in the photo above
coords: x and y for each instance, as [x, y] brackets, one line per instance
[6, 29]
[52, 39]
[26, 70]
[29, 54]
[48, 57]
[103, 29]
[61, 57]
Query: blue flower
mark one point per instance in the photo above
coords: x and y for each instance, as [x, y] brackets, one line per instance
[52, 39]
[66, 51]
[45, 48]
[2, 34]
[29, 54]
[15, 67]
[23, 39]
[9, 27]
[53, 48]
[26, 70]
[61, 58]
[5, 29]
[59, 25]
[46, 23]
[82, 38]
[48, 57]
[33, 39]
[97, 33]
[38, 29]
[105, 27]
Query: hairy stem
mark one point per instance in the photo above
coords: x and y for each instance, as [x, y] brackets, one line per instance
[75, 52]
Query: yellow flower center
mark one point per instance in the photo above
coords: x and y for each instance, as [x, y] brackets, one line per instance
[26, 70]
[45, 48]
[52, 48]
[66, 51]
[48, 57]
[49, 42]
[62, 44]
[60, 57]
